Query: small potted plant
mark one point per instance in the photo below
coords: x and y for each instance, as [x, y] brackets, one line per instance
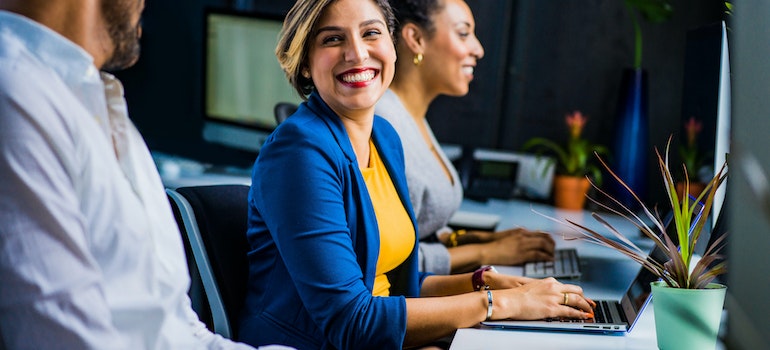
[687, 304]
[692, 157]
[573, 160]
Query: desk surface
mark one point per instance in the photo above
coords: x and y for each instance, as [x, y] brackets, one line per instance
[606, 275]
[606, 272]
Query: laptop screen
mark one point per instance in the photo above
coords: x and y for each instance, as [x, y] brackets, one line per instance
[639, 291]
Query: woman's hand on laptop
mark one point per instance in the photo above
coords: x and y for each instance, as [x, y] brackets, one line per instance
[541, 299]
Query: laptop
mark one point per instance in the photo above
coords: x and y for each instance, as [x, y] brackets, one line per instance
[611, 316]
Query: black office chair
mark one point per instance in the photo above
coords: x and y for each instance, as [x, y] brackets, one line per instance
[283, 110]
[213, 221]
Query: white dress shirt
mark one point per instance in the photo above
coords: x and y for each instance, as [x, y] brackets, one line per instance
[90, 254]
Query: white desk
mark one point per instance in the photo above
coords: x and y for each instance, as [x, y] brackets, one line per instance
[178, 172]
[606, 275]
[641, 337]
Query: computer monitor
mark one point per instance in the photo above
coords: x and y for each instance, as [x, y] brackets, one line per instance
[242, 80]
[724, 121]
[707, 97]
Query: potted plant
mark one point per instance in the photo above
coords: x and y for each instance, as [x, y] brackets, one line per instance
[687, 304]
[573, 163]
[692, 157]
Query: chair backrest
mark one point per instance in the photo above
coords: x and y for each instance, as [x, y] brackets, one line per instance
[283, 110]
[213, 221]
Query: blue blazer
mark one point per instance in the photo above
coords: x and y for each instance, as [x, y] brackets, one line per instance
[314, 240]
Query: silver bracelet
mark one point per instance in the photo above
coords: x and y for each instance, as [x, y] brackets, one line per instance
[489, 305]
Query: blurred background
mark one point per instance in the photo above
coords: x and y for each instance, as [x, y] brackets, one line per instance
[543, 59]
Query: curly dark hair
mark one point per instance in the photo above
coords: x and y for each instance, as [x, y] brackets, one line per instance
[419, 12]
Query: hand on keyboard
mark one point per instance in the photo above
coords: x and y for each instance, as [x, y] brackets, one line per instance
[517, 246]
[544, 298]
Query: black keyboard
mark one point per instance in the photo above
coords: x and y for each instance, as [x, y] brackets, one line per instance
[607, 311]
[602, 314]
[565, 264]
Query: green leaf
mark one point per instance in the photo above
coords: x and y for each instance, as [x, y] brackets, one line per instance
[676, 269]
[543, 144]
[652, 10]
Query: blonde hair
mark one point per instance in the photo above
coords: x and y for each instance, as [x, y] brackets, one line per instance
[296, 36]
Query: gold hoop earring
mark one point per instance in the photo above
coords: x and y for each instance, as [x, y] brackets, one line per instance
[417, 59]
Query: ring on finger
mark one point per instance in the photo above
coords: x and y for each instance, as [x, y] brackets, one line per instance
[566, 299]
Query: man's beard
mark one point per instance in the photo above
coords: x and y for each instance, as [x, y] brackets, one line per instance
[124, 35]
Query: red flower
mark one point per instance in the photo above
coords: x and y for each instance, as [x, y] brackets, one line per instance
[575, 121]
[693, 128]
[691, 157]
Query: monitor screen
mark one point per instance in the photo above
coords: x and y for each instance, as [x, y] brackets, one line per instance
[243, 80]
[722, 134]
[706, 97]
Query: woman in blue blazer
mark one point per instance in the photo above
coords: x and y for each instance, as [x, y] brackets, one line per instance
[316, 235]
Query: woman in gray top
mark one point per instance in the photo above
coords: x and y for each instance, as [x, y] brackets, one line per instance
[437, 52]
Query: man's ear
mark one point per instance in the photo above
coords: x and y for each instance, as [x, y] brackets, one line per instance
[413, 37]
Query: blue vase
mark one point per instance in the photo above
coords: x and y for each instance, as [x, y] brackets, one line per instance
[631, 138]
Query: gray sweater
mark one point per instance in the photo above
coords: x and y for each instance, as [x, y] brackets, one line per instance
[434, 198]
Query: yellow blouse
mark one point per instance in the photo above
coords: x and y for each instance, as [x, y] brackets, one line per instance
[397, 236]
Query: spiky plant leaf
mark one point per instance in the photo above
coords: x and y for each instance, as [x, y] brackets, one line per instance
[677, 271]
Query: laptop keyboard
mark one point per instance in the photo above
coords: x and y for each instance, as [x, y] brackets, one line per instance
[565, 264]
[602, 314]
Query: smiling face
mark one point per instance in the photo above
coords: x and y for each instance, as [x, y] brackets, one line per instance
[452, 50]
[351, 60]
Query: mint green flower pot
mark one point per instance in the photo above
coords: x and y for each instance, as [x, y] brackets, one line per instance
[687, 318]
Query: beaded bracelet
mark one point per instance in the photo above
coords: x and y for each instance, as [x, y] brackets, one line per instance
[453, 237]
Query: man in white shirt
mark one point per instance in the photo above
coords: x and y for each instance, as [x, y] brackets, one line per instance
[90, 254]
